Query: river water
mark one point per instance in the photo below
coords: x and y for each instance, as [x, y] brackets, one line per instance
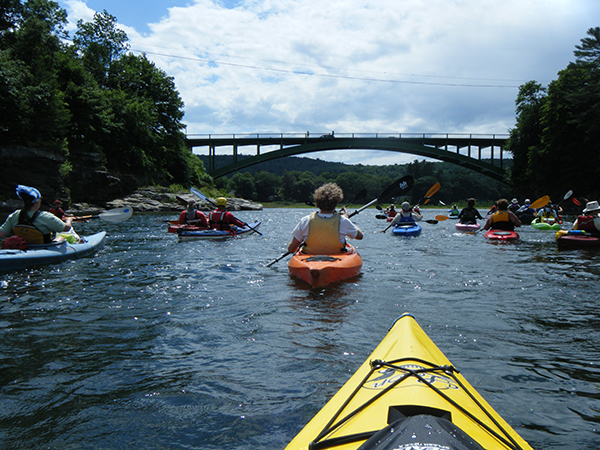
[157, 344]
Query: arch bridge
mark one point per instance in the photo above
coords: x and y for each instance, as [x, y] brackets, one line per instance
[478, 152]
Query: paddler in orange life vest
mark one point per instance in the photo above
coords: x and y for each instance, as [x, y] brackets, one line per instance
[502, 219]
[589, 220]
[325, 232]
[221, 219]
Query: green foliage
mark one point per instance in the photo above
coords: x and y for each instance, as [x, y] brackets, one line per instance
[100, 42]
[65, 169]
[111, 108]
[556, 141]
[295, 186]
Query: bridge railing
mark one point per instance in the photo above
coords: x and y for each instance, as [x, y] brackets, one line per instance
[228, 136]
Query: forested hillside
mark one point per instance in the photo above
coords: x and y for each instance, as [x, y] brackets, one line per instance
[295, 178]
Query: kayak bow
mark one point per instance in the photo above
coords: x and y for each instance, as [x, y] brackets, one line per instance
[407, 395]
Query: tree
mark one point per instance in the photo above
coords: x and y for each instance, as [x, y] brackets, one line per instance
[100, 43]
[525, 139]
[31, 43]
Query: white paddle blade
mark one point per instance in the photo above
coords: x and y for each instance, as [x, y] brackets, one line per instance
[116, 215]
[198, 193]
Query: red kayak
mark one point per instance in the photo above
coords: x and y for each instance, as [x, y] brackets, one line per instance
[576, 239]
[174, 227]
[501, 235]
[320, 270]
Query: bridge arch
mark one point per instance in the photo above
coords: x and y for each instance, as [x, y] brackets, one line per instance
[462, 150]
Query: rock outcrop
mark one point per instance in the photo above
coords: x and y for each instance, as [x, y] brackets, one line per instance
[89, 188]
[159, 199]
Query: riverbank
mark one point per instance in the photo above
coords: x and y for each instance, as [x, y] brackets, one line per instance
[154, 199]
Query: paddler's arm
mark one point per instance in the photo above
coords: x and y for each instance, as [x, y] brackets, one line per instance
[514, 219]
[488, 223]
[68, 221]
[293, 245]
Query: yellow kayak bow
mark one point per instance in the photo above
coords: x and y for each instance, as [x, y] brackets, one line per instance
[407, 395]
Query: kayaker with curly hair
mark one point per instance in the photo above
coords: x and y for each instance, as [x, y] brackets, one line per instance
[502, 219]
[325, 232]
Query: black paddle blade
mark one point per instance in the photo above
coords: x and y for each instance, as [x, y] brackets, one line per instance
[398, 187]
[361, 194]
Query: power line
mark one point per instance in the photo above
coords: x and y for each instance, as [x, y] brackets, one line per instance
[326, 75]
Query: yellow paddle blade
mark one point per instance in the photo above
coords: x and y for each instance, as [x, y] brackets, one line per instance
[540, 202]
[441, 218]
[433, 189]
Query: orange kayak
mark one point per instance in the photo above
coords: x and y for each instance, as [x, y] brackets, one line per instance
[320, 270]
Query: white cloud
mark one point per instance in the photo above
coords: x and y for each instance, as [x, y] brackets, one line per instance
[359, 65]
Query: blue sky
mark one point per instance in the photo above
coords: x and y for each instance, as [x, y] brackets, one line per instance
[353, 66]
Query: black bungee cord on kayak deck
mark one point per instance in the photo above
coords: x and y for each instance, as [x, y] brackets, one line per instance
[417, 373]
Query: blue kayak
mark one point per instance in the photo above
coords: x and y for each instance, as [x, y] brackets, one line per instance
[413, 229]
[49, 253]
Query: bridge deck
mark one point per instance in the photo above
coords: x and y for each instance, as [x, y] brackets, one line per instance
[462, 149]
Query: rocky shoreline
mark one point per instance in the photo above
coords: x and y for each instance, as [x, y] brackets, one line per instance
[146, 199]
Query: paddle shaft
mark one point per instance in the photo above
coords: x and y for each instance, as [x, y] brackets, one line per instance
[432, 190]
[401, 185]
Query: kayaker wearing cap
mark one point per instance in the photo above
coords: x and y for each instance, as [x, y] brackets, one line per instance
[514, 205]
[589, 220]
[35, 226]
[191, 215]
[470, 214]
[502, 219]
[525, 213]
[406, 216]
[325, 231]
[57, 210]
[221, 219]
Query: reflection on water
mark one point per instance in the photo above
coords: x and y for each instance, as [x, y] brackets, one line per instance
[197, 345]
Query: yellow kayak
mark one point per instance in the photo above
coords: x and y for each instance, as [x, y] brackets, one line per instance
[407, 395]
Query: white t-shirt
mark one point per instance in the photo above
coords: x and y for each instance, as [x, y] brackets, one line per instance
[347, 228]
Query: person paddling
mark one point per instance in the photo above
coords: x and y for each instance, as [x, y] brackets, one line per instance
[221, 219]
[548, 213]
[502, 219]
[406, 216]
[193, 216]
[470, 214]
[57, 210]
[325, 231]
[589, 219]
[391, 212]
[33, 225]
